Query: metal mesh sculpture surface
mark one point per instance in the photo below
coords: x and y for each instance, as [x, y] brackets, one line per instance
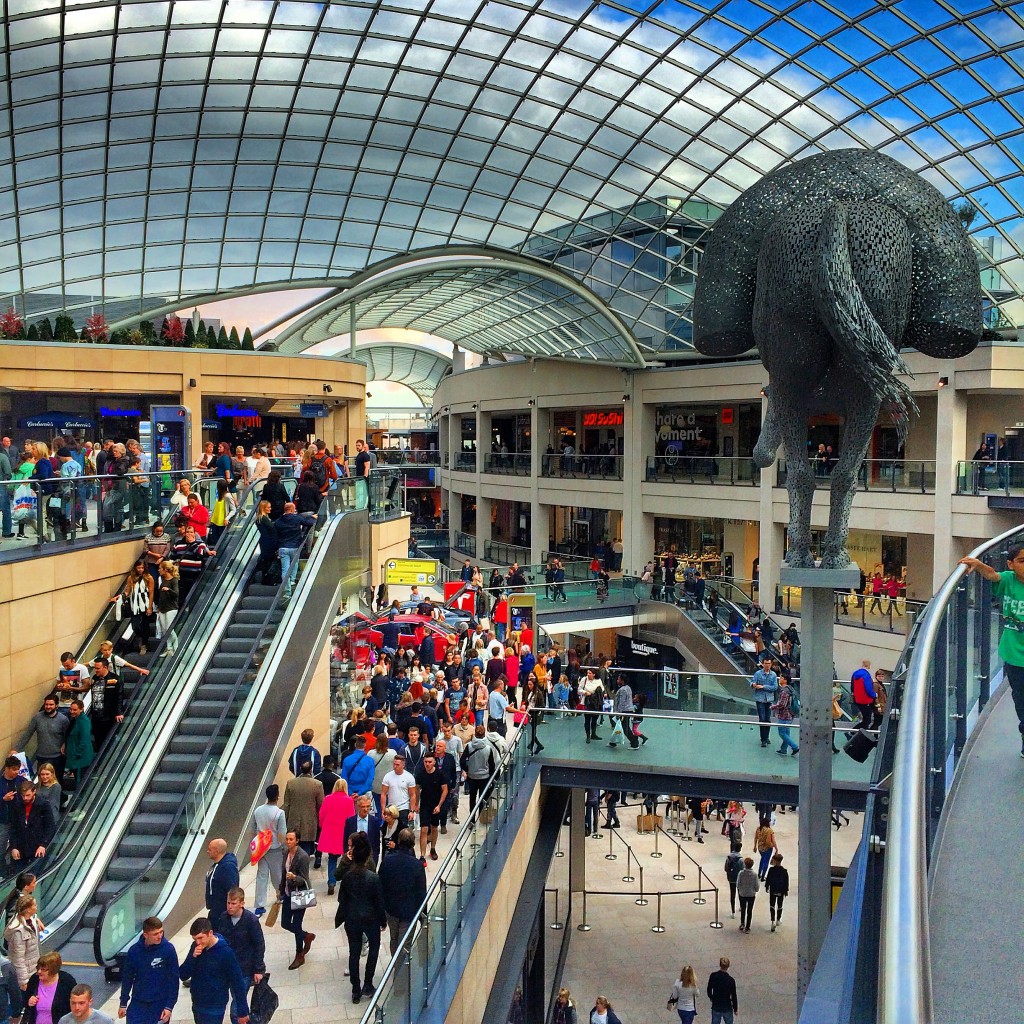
[828, 266]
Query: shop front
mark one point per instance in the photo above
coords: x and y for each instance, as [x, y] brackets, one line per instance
[583, 531]
[92, 417]
[259, 421]
[654, 670]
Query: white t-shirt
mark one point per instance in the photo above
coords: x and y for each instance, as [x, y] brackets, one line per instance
[398, 787]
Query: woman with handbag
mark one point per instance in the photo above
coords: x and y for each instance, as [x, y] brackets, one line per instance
[138, 595]
[296, 895]
[684, 995]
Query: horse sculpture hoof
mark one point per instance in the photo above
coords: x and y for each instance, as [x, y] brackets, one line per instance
[840, 560]
[801, 560]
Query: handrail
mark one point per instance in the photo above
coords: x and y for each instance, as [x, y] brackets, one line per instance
[905, 981]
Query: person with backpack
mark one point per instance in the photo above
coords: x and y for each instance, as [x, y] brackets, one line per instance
[323, 468]
[776, 883]
[477, 763]
[733, 867]
[784, 712]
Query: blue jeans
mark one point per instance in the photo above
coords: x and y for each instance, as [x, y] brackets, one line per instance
[332, 863]
[786, 739]
[686, 1016]
[764, 714]
[721, 1017]
[289, 567]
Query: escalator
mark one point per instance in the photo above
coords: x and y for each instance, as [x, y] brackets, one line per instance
[234, 552]
[132, 841]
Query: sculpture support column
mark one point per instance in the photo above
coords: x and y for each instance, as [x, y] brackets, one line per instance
[817, 627]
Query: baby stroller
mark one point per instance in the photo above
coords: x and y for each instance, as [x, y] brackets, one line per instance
[602, 587]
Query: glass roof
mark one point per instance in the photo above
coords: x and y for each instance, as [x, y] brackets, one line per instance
[419, 369]
[160, 153]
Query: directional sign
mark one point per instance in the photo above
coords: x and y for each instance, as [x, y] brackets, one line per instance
[411, 571]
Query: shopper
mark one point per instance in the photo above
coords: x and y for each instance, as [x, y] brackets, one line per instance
[747, 888]
[722, 993]
[733, 867]
[684, 995]
[602, 1013]
[295, 878]
[212, 970]
[149, 977]
[766, 846]
[764, 683]
[361, 909]
[776, 884]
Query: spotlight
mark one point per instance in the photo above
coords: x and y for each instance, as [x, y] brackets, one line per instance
[943, 382]
[328, 389]
[531, 403]
[763, 392]
[625, 398]
[369, 395]
[191, 382]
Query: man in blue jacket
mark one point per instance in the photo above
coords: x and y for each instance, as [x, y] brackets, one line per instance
[357, 770]
[213, 970]
[364, 820]
[291, 531]
[149, 977]
[220, 879]
[241, 930]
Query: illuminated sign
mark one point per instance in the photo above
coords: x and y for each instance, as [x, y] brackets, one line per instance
[234, 410]
[611, 418]
[112, 410]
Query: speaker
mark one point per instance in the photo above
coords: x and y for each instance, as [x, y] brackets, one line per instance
[860, 745]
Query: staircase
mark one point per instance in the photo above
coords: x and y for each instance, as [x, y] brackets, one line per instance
[158, 819]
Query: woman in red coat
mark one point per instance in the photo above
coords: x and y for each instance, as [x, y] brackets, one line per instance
[336, 809]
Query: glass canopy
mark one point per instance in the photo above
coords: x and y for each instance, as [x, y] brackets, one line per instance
[157, 154]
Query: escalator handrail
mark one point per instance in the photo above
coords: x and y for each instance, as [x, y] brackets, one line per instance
[324, 517]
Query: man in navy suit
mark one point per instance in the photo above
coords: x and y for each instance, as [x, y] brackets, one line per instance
[364, 820]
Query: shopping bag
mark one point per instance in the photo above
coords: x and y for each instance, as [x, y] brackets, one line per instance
[24, 507]
[263, 1002]
[260, 844]
[618, 736]
[275, 909]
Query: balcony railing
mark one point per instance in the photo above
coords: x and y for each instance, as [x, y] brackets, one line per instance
[505, 553]
[407, 457]
[465, 462]
[895, 475]
[507, 463]
[977, 477]
[582, 467]
[465, 544]
[702, 469]
[888, 615]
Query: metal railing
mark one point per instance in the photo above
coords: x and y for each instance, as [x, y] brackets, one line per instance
[949, 679]
[465, 462]
[65, 510]
[702, 469]
[581, 467]
[386, 494]
[865, 611]
[903, 475]
[981, 476]
[408, 457]
[464, 543]
[508, 463]
[505, 553]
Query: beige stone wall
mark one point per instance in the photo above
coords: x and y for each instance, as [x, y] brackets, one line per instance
[388, 540]
[48, 605]
[471, 997]
[315, 714]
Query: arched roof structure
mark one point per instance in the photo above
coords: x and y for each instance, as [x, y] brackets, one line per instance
[159, 152]
[420, 369]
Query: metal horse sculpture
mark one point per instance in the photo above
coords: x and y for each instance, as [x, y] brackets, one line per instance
[829, 266]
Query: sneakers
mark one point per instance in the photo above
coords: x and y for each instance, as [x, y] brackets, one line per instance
[795, 752]
[260, 911]
[330, 890]
[782, 752]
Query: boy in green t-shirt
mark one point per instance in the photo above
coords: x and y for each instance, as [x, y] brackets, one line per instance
[1009, 588]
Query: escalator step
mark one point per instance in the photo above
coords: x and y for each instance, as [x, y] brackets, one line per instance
[170, 782]
[224, 676]
[213, 691]
[139, 845]
[196, 726]
[242, 630]
[194, 744]
[206, 708]
[89, 919]
[234, 645]
[160, 803]
[177, 764]
[148, 825]
[246, 616]
[124, 869]
[260, 590]
[230, 659]
[251, 602]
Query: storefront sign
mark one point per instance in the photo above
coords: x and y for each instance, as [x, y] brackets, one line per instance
[608, 418]
[679, 426]
[107, 410]
[636, 647]
[235, 410]
[409, 572]
[312, 410]
[211, 425]
[56, 421]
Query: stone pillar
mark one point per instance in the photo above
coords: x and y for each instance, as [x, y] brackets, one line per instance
[458, 359]
[950, 448]
[483, 525]
[815, 741]
[638, 434]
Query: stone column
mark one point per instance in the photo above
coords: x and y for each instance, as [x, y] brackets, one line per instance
[815, 742]
[950, 448]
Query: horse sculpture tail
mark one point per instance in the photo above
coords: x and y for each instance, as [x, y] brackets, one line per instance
[845, 312]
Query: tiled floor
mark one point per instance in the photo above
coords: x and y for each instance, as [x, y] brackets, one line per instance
[621, 957]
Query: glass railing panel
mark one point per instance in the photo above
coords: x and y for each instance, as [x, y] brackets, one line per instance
[989, 476]
[894, 475]
[581, 467]
[509, 464]
[694, 469]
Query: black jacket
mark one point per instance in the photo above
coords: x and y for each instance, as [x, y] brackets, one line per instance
[360, 900]
[722, 992]
[403, 880]
[61, 998]
[277, 496]
[246, 941]
[27, 835]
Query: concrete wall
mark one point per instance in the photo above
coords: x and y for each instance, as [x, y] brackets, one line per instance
[388, 540]
[471, 996]
[48, 605]
[315, 715]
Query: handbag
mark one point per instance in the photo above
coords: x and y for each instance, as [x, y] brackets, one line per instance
[263, 1002]
[302, 899]
[837, 711]
[119, 608]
